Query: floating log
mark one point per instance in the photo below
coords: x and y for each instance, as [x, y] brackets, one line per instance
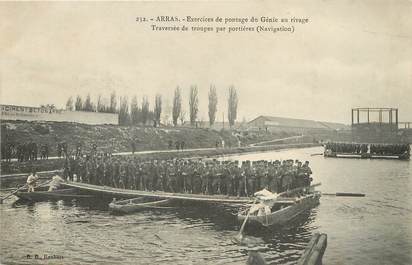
[345, 194]
[349, 194]
[314, 251]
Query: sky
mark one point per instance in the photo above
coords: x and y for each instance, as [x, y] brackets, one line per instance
[350, 54]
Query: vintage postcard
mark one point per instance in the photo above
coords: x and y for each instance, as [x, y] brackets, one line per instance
[206, 132]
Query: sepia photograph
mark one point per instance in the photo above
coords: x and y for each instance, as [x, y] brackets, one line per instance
[208, 132]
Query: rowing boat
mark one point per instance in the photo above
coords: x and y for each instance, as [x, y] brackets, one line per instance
[42, 194]
[284, 210]
[137, 204]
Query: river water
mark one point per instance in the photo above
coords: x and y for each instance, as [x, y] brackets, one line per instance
[376, 229]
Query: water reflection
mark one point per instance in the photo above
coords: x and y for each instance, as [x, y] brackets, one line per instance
[85, 232]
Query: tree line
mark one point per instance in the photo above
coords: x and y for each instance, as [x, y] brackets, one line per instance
[135, 113]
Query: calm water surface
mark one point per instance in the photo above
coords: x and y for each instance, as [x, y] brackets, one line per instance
[376, 229]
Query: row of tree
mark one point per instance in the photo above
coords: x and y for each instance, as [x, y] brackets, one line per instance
[142, 114]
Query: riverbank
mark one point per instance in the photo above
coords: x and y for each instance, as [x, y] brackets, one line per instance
[115, 139]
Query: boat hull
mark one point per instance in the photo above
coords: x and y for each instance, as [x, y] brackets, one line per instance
[130, 206]
[285, 214]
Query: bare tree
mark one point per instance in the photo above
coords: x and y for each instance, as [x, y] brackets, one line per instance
[113, 102]
[177, 106]
[88, 105]
[134, 111]
[157, 110]
[232, 105]
[124, 118]
[212, 104]
[79, 103]
[69, 104]
[100, 106]
[182, 116]
[193, 104]
[166, 112]
[145, 110]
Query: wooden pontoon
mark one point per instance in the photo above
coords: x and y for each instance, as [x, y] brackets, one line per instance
[111, 192]
[367, 156]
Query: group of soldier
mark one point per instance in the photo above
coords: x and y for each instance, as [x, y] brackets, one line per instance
[180, 145]
[25, 151]
[199, 176]
[390, 149]
[380, 149]
[352, 148]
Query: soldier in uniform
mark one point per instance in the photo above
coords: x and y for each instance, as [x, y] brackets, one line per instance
[162, 185]
[122, 177]
[154, 172]
[197, 178]
[242, 187]
[287, 177]
[172, 181]
[78, 150]
[67, 173]
[179, 176]
[133, 144]
[139, 177]
[99, 173]
[108, 171]
[307, 172]
[225, 180]
[215, 178]
[94, 149]
[146, 176]
[116, 174]
[182, 145]
[93, 172]
[234, 178]
[131, 168]
[170, 144]
[59, 150]
[190, 176]
[64, 149]
[258, 176]
[251, 177]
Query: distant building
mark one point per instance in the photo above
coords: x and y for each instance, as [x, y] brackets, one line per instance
[13, 112]
[273, 124]
[378, 125]
[217, 125]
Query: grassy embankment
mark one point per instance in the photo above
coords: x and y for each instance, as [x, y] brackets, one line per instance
[110, 138]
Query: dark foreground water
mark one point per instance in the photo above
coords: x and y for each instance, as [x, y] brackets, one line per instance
[376, 229]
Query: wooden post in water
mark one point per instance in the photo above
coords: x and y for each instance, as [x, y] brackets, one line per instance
[314, 251]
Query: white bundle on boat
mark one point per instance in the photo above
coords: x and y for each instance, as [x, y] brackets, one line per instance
[55, 182]
[266, 200]
[265, 195]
